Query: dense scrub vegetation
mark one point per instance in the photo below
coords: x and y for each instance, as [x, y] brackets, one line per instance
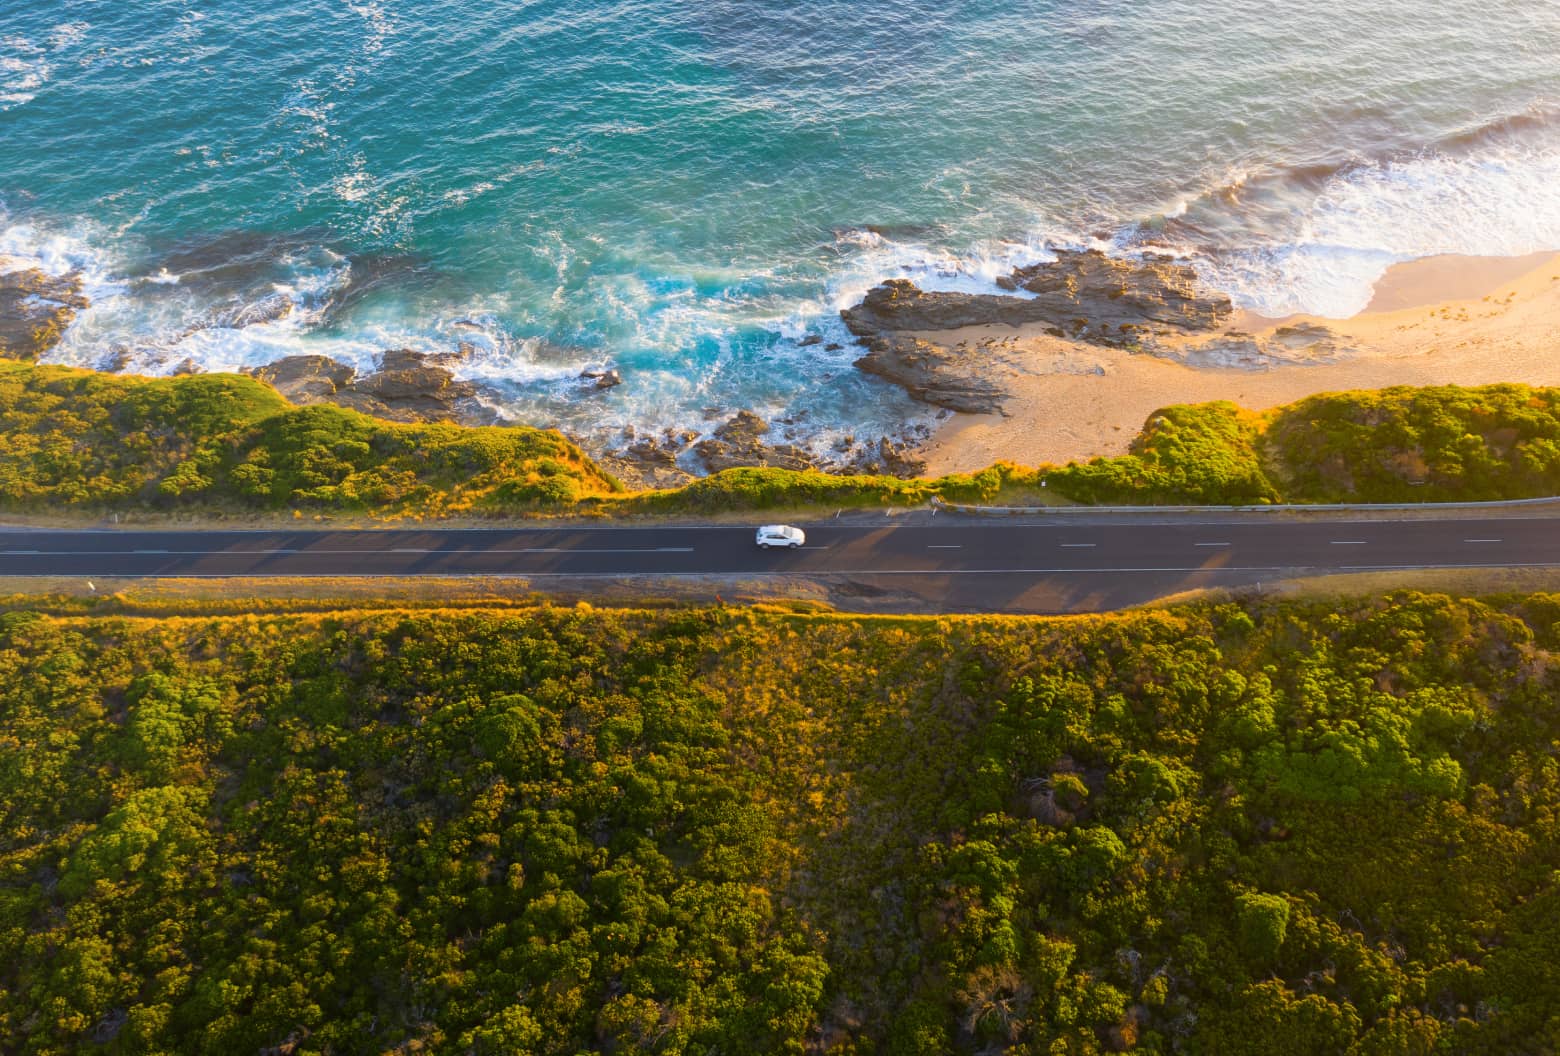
[1289, 829]
[78, 440]
[1204, 454]
[1409, 445]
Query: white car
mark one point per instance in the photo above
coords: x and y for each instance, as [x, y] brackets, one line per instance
[780, 535]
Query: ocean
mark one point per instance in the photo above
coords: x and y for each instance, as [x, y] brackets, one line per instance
[689, 192]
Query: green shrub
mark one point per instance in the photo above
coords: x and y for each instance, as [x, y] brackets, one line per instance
[1262, 921]
[564, 831]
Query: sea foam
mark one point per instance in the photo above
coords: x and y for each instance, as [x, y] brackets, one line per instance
[1500, 200]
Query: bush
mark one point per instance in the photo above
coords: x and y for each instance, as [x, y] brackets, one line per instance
[563, 831]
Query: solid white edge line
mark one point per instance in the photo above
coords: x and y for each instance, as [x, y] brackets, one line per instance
[802, 573]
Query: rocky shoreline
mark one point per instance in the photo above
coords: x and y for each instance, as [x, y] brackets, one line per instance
[1084, 297]
[911, 338]
[35, 310]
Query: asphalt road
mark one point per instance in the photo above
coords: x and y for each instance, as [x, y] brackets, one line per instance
[955, 563]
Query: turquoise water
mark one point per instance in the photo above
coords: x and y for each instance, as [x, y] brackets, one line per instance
[683, 191]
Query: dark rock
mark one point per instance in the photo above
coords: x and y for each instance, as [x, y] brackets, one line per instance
[899, 306]
[832, 347]
[305, 379]
[738, 442]
[959, 380]
[413, 387]
[35, 310]
[186, 367]
[609, 379]
[810, 340]
[651, 453]
[1152, 294]
[647, 463]
[1085, 294]
[899, 460]
[886, 457]
[742, 427]
[115, 360]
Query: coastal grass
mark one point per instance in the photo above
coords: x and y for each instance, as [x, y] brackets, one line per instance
[84, 444]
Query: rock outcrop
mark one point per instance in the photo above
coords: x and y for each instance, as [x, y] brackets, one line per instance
[35, 309]
[414, 386]
[958, 378]
[1118, 300]
[648, 462]
[884, 458]
[1082, 296]
[408, 386]
[306, 379]
[739, 442]
[601, 380]
[1085, 296]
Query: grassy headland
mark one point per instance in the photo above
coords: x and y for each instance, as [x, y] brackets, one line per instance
[1286, 828]
[90, 443]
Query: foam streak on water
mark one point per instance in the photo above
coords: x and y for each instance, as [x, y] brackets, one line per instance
[687, 192]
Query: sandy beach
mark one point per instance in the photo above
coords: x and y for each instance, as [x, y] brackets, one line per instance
[1442, 320]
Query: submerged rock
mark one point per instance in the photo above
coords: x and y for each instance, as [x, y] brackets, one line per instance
[35, 309]
[602, 379]
[270, 309]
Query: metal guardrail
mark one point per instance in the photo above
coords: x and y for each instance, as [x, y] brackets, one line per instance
[1011, 511]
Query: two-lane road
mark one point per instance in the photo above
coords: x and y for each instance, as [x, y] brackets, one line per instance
[969, 563]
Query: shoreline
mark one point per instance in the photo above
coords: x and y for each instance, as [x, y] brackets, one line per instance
[1440, 320]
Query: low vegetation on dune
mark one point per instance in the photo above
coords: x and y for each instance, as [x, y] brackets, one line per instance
[73, 440]
[1284, 828]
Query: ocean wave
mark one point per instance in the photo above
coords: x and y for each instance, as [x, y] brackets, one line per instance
[1317, 238]
[868, 256]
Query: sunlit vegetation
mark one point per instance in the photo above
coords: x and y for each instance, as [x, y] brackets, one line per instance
[1410, 445]
[1285, 828]
[73, 440]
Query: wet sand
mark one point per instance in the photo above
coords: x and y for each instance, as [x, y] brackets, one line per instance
[1443, 320]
